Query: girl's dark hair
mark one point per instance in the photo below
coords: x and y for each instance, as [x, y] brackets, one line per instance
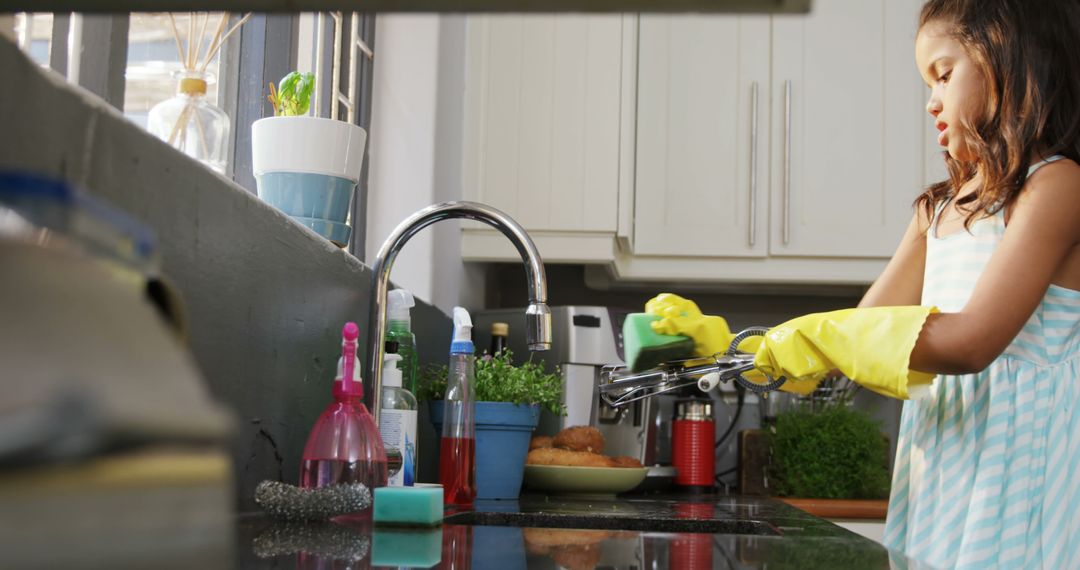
[1028, 55]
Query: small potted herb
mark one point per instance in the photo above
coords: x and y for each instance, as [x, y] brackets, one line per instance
[509, 398]
[828, 450]
[293, 98]
[307, 166]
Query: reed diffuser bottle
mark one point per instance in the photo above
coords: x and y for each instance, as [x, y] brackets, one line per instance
[188, 121]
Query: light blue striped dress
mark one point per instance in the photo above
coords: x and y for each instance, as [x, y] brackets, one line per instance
[987, 471]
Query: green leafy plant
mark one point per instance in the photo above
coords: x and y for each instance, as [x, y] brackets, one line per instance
[499, 380]
[292, 97]
[829, 452]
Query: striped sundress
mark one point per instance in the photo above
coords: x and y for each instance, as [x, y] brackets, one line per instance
[987, 471]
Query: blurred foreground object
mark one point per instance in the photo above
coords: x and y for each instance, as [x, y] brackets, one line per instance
[108, 437]
[725, 6]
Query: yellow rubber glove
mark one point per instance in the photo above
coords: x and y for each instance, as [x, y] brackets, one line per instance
[871, 346]
[711, 335]
[680, 316]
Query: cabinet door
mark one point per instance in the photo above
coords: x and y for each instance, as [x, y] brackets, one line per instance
[701, 168]
[542, 118]
[847, 128]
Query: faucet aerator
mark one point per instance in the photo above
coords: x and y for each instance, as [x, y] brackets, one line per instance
[538, 326]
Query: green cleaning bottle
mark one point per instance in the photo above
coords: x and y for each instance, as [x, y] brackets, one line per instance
[399, 301]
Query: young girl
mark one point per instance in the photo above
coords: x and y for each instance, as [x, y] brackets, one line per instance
[986, 472]
[986, 465]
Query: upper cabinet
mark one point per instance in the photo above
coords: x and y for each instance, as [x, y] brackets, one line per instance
[846, 134]
[701, 182]
[736, 148]
[542, 130]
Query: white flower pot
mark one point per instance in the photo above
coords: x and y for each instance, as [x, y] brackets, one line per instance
[308, 168]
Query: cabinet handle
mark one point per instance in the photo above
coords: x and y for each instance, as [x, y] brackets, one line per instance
[786, 230]
[753, 160]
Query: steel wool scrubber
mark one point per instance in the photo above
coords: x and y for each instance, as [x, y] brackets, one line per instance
[285, 501]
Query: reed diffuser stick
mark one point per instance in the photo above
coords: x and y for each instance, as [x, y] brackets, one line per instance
[220, 42]
[176, 36]
[191, 36]
[212, 49]
[202, 34]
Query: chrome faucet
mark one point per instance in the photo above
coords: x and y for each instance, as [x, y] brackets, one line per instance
[537, 315]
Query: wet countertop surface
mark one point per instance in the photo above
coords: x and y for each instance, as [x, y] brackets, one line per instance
[670, 531]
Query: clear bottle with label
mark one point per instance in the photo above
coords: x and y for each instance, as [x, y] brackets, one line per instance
[397, 420]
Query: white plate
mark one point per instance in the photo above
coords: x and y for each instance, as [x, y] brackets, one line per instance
[590, 480]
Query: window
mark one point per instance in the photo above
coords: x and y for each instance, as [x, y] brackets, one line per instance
[129, 60]
[33, 30]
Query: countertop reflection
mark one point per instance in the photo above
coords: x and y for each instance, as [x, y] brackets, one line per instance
[559, 532]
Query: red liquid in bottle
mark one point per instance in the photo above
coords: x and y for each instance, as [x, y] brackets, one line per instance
[457, 470]
[457, 547]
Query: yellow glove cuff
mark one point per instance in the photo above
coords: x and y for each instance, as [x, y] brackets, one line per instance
[871, 346]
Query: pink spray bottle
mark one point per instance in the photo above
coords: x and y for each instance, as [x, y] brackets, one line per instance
[344, 445]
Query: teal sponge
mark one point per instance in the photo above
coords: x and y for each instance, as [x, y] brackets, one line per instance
[408, 506]
[645, 349]
[413, 548]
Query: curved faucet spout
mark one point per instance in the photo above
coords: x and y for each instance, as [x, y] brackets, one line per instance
[537, 316]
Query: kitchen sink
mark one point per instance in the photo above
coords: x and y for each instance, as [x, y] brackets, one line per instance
[607, 522]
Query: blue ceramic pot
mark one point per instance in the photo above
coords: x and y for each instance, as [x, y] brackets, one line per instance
[503, 431]
[318, 201]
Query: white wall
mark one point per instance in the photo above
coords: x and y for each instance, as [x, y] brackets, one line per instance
[415, 152]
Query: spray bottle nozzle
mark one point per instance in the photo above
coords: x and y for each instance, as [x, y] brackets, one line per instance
[348, 368]
[462, 332]
[398, 303]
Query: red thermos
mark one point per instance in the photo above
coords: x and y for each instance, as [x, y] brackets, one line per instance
[692, 438]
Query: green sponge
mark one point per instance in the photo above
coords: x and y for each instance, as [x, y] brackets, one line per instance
[408, 506]
[644, 349]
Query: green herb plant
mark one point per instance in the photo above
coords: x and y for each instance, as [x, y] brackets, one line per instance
[829, 452]
[499, 380]
[292, 97]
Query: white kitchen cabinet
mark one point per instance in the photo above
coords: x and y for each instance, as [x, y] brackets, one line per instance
[782, 149]
[542, 130]
[701, 186]
[839, 151]
[847, 163]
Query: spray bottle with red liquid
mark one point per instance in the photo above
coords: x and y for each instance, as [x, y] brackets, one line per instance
[457, 457]
[344, 445]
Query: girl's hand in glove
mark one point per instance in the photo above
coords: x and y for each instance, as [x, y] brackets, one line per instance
[871, 346]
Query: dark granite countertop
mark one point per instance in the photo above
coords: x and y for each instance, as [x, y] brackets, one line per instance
[672, 531]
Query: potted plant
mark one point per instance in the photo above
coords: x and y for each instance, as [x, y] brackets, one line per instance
[508, 402]
[830, 451]
[818, 453]
[307, 166]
